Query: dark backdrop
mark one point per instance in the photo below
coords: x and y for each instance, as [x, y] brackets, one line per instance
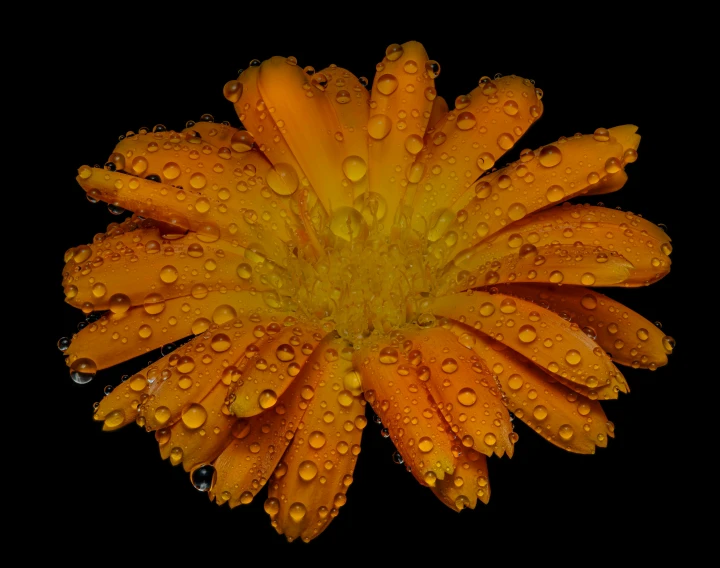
[116, 485]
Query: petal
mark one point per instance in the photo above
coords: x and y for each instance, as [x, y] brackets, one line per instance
[631, 339]
[308, 122]
[552, 173]
[465, 391]
[318, 466]
[469, 141]
[400, 108]
[571, 422]
[438, 111]
[536, 333]
[202, 433]
[468, 484]
[406, 409]
[612, 248]
[277, 362]
[149, 266]
[246, 464]
[192, 371]
[115, 338]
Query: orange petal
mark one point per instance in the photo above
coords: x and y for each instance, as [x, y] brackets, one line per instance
[464, 390]
[468, 484]
[406, 409]
[630, 338]
[317, 468]
[591, 246]
[246, 464]
[308, 122]
[469, 141]
[536, 333]
[400, 108]
[438, 111]
[571, 422]
[552, 173]
[121, 406]
[277, 362]
[192, 371]
[115, 338]
[146, 266]
[202, 433]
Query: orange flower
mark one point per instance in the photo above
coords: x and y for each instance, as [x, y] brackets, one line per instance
[355, 246]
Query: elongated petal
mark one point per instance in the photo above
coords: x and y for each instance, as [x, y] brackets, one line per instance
[465, 392]
[561, 416]
[115, 338]
[159, 201]
[406, 409]
[307, 121]
[536, 333]
[318, 466]
[438, 111]
[400, 108]
[468, 483]
[192, 371]
[552, 173]
[469, 141]
[278, 361]
[202, 433]
[245, 466]
[630, 338]
[587, 245]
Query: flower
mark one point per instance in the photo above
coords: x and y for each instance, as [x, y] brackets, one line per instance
[356, 246]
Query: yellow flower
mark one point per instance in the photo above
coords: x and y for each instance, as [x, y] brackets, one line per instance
[354, 246]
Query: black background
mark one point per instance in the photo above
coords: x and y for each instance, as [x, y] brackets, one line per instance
[116, 485]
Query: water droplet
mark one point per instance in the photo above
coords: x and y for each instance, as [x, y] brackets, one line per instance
[550, 156]
[388, 356]
[449, 365]
[307, 470]
[283, 179]
[527, 334]
[540, 412]
[317, 439]
[387, 84]
[466, 121]
[394, 52]
[194, 416]
[602, 135]
[379, 126]
[168, 274]
[467, 396]
[297, 512]
[432, 68]
[485, 161]
[203, 477]
[285, 353]
[233, 91]
[573, 357]
[425, 444]
[354, 168]
[267, 399]
[119, 303]
[515, 382]
[566, 432]
[114, 419]
[555, 193]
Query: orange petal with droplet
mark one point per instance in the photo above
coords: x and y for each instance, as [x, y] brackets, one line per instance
[319, 463]
[246, 465]
[561, 416]
[536, 333]
[188, 374]
[470, 140]
[202, 433]
[115, 338]
[465, 392]
[469, 483]
[276, 364]
[541, 178]
[400, 107]
[630, 338]
[398, 397]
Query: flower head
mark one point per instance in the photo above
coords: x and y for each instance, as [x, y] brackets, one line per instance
[359, 245]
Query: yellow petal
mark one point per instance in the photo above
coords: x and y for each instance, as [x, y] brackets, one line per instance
[561, 416]
[464, 390]
[277, 362]
[470, 140]
[407, 410]
[630, 338]
[536, 333]
[552, 173]
[317, 468]
[469, 483]
[115, 338]
[400, 107]
[245, 466]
